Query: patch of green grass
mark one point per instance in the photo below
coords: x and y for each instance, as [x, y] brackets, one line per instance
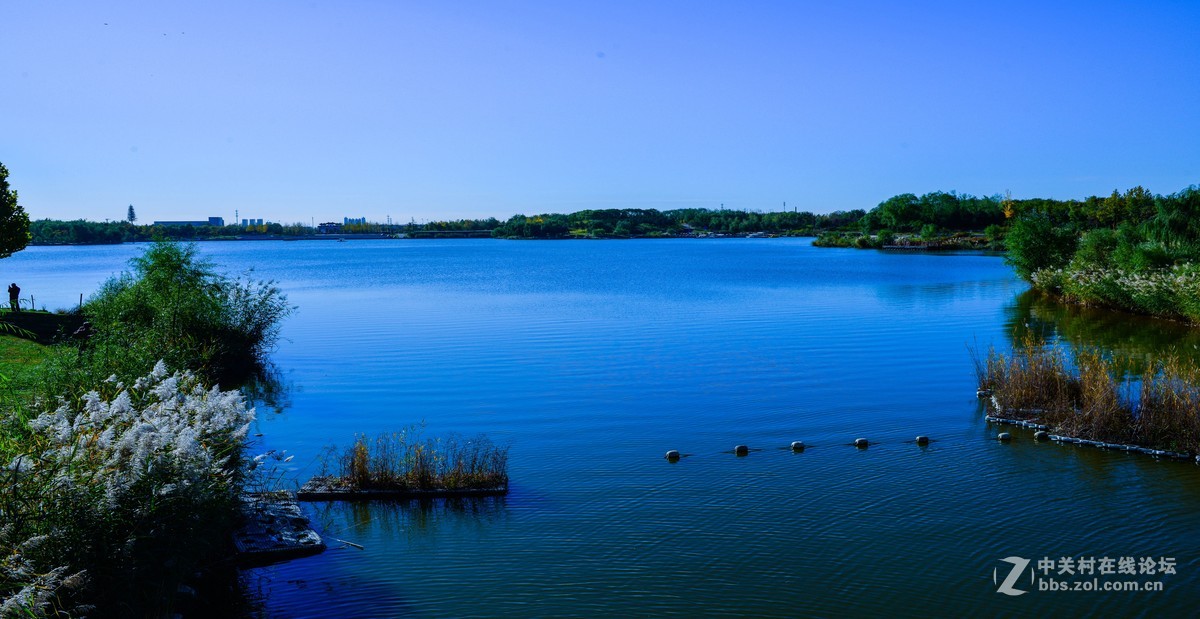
[19, 355]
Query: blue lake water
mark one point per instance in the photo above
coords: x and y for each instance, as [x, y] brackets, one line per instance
[592, 359]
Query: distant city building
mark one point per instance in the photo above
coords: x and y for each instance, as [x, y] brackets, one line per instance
[329, 227]
[216, 222]
[251, 222]
[349, 221]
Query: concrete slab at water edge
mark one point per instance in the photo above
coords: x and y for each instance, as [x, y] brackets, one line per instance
[1033, 425]
[332, 489]
[274, 530]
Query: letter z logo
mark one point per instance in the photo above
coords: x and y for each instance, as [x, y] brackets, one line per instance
[1018, 567]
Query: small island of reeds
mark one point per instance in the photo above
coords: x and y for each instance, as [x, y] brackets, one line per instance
[399, 465]
[1152, 404]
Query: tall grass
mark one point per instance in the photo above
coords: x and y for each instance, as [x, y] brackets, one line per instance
[121, 473]
[1089, 395]
[111, 498]
[1032, 380]
[407, 461]
[1171, 292]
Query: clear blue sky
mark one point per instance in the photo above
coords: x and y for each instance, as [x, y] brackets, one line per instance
[293, 111]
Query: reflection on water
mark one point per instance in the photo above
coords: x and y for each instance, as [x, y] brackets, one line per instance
[267, 387]
[593, 359]
[354, 520]
[1139, 340]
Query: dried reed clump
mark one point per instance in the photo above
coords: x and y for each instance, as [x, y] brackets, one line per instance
[1031, 382]
[1169, 406]
[1092, 399]
[1101, 414]
[406, 461]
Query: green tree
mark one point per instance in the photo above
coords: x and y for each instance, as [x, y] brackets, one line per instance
[1139, 204]
[902, 212]
[131, 216]
[14, 222]
[1177, 218]
[1111, 210]
[1034, 242]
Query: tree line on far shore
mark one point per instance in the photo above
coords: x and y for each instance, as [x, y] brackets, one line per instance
[624, 223]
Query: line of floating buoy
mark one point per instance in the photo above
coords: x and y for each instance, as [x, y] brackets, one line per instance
[1042, 433]
[796, 447]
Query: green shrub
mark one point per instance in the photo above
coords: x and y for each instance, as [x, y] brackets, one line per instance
[1096, 248]
[175, 306]
[994, 233]
[1035, 243]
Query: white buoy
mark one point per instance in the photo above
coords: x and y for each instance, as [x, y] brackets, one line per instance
[797, 445]
[1041, 435]
[861, 442]
[922, 440]
[673, 455]
[1004, 436]
[741, 450]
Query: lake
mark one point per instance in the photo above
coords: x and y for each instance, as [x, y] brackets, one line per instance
[591, 359]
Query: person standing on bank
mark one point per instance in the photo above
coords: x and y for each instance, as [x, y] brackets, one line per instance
[14, 295]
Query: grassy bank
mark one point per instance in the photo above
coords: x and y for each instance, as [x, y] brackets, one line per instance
[122, 472]
[1090, 396]
[1171, 292]
[19, 355]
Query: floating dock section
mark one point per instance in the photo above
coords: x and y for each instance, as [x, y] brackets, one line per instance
[332, 489]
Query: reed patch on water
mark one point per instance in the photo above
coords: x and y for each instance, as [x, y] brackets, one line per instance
[405, 460]
[1088, 395]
